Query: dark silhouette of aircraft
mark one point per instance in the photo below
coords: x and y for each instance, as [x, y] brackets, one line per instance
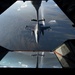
[39, 28]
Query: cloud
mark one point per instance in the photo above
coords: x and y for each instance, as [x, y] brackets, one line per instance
[22, 6]
[55, 5]
[18, 9]
[52, 21]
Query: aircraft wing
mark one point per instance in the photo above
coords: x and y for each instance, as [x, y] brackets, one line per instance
[31, 28]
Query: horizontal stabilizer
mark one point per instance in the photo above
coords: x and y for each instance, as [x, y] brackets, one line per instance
[39, 20]
[3, 52]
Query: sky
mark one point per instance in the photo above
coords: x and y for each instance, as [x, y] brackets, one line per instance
[15, 37]
[16, 17]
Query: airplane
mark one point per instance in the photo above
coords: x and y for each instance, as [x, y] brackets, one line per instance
[39, 28]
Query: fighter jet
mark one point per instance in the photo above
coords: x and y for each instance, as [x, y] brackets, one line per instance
[39, 28]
